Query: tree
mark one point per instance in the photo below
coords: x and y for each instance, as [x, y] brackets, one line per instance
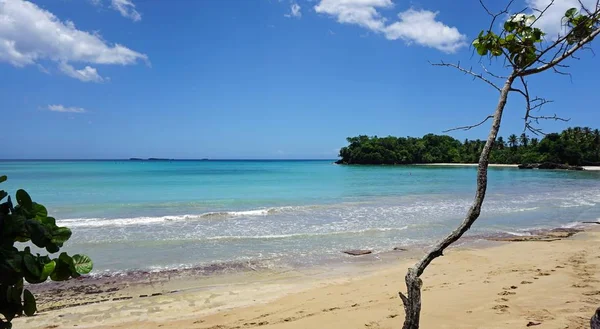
[29, 221]
[520, 46]
[558, 148]
[524, 140]
[513, 142]
[500, 143]
[597, 145]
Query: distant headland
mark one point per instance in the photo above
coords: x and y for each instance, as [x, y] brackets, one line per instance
[163, 159]
[577, 146]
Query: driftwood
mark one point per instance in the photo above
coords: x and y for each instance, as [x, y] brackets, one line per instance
[357, 252]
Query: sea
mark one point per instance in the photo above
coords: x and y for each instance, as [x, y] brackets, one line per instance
[162, 215]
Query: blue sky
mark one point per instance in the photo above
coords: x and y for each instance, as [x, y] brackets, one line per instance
[251, 79]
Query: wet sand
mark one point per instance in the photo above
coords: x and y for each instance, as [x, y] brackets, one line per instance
[552, 282]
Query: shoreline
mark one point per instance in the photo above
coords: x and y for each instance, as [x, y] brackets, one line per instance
[492, 165]
[183, 299]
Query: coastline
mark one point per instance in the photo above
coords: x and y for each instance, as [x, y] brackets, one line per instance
[510, 291]
[493, 165]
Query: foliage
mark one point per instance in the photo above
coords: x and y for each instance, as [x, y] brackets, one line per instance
[574, 146]
[28, 222]
[519, 40]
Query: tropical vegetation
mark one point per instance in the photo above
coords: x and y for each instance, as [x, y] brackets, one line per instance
[28, 225]
[573, 146]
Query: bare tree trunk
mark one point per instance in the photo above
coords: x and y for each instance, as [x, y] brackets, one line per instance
[412, 302]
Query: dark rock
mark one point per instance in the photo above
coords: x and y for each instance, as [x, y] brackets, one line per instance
[527, 166]
[400, 249]
[357, 252]
[595, 321]
[549, 165]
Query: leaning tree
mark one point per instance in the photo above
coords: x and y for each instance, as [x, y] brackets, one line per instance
[523, 50]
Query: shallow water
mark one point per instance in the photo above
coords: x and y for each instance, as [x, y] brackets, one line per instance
[150, 215]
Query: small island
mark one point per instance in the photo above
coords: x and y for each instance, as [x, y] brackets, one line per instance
[577, 146]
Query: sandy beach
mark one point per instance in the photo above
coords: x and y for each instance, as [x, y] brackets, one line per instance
[552, 283]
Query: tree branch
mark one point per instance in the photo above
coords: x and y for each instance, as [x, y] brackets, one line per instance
[493, 74]
[465, 71]
[561, 58]
[534, 104]
[470, 127]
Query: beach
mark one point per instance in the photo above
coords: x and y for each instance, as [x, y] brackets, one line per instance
[553, 284]
[242, 244]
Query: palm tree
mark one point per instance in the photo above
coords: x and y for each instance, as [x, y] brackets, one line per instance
[524, 140]
[597, 144]
[513, 141]
[534, 142]
[500, 143]
[577, 134]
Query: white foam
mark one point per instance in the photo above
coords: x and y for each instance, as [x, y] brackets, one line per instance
[296, 235]
[518, 233]
[146, 220]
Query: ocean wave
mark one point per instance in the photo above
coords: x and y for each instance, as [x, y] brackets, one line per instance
[517, 233]
[148, 220]
[304, 235]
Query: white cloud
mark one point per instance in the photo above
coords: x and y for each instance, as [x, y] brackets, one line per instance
[420, 26]
[29, 34]
[360, 12]
[414, 26]
[295, 10]
[127, 9]
[63, 109]
[551, 21]
[87, 74]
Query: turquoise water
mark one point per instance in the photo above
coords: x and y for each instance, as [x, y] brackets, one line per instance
[130, 215]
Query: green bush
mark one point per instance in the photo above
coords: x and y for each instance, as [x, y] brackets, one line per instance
[28, 221]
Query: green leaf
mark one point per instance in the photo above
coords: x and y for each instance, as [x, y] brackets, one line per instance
[52, 248]
[29, 303]
[62, 271]
[13, 295]
[14, 260]
[39, 211]
[571, 12]
[47, 270]
[24, 199]
[38, 232]
[49, 221]
[482, 51]
[3, 178]
[32, 265]
[3, 195]
[60, 235]
[83, 264]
